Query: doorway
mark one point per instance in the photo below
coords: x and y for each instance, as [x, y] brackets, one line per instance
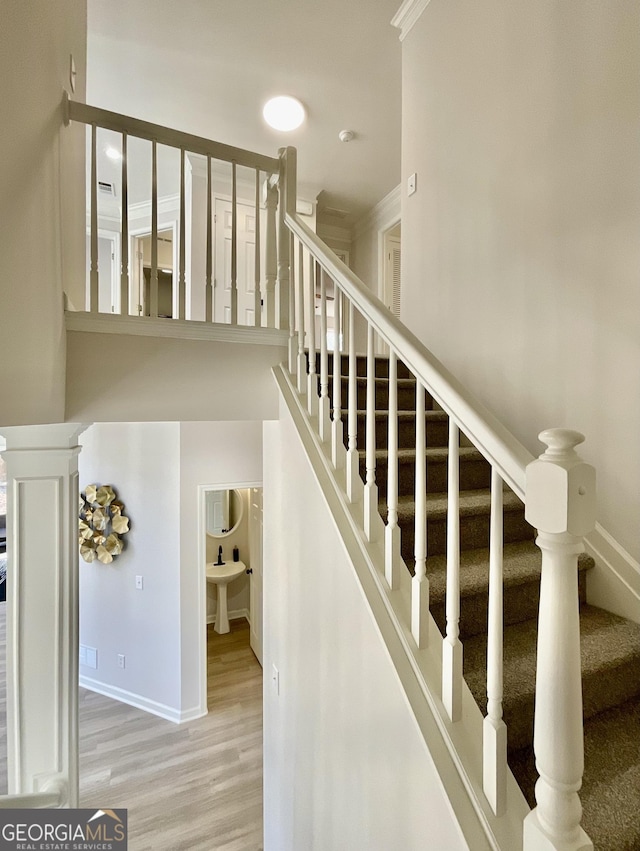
[221, 524]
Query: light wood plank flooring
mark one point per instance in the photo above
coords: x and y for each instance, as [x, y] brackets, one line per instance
[195, 786]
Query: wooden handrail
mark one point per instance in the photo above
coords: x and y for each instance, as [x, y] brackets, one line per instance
[482, 427]
[86, 114]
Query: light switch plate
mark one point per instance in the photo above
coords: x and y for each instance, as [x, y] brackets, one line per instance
[412, 183]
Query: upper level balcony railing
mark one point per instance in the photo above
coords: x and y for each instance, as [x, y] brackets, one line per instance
[179, 227]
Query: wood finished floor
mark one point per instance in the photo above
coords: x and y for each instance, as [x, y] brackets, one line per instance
[195, 786]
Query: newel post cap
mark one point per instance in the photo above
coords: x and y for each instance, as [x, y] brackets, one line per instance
[560, 488]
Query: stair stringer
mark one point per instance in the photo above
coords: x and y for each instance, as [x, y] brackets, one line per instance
[456, 749]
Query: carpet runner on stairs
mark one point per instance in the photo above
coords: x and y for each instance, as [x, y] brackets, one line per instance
[610, 644]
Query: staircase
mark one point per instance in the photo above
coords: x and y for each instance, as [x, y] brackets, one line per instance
[610, 645]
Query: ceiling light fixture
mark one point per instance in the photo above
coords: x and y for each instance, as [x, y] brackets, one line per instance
[283, 113]
[113, 154]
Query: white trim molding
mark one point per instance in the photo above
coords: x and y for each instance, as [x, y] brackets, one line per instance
[385, 213]
[162, 710]
[175, 329]
[407, 15]
[614, 582]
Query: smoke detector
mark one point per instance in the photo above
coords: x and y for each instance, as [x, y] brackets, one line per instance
[346, 135]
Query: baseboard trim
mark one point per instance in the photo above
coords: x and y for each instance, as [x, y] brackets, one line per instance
[614, 582]
[162, 710]
[235, 615]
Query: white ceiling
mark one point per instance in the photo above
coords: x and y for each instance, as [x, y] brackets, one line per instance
[207, 66]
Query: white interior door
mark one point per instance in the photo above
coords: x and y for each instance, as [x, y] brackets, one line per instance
[245, 270]
[255, 548]
[107, 273]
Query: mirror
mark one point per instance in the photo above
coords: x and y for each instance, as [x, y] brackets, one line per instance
[224, 511]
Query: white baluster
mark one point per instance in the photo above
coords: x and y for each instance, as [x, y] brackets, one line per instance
[124, 241]
[323, 405]
[182, 288]
[209, 250]
[392, 560]
[337, 446]
[371, 516]
[257, 308]
[353, 480]
[451, 646]
[153, 285]
[312, 378]
[560, 504]
[494, 734]
[271, 258]
[234, 246]
[420, 582]
[293, 338]
[301, 366]
[93, 274]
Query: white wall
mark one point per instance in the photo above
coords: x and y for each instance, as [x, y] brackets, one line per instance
[344, 764]
[132, 379]
[520, 247]
[211, 453]
[142, 462]
[41, 189]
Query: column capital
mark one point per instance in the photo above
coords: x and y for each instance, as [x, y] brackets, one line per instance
[43, 437]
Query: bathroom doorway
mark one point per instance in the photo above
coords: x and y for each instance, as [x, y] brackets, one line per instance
[230, 526]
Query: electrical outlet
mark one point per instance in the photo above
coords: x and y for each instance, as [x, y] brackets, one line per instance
[139, 583]
[121, 660]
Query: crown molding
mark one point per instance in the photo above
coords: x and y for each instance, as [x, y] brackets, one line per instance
[407, 15]
[385, 213]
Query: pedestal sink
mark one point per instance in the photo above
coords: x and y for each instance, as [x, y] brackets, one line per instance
[222, 575]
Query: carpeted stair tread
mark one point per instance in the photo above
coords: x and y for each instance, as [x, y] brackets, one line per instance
[436, 426]
[471, 502]
[610, 793]
[610, 648]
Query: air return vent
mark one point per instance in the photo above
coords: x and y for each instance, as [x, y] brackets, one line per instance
[106, 188]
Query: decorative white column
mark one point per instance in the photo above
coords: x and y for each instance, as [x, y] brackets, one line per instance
[561, 504]
[42, 608]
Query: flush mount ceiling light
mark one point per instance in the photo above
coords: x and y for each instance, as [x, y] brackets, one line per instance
[113, 154]
[283, 113]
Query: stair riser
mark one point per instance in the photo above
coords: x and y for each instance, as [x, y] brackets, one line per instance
[474, 532]
[474, 474]
[521, 602]
[382, 366]
[437, 432]
[406, 395]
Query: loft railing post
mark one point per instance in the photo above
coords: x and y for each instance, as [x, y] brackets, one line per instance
[271, 255]
[561, 505]
[287, 192]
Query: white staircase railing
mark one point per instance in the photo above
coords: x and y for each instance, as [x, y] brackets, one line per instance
[206, 279]
[291, 265]
[558, 491]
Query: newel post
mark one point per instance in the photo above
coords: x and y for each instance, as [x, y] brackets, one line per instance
[561, 505]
